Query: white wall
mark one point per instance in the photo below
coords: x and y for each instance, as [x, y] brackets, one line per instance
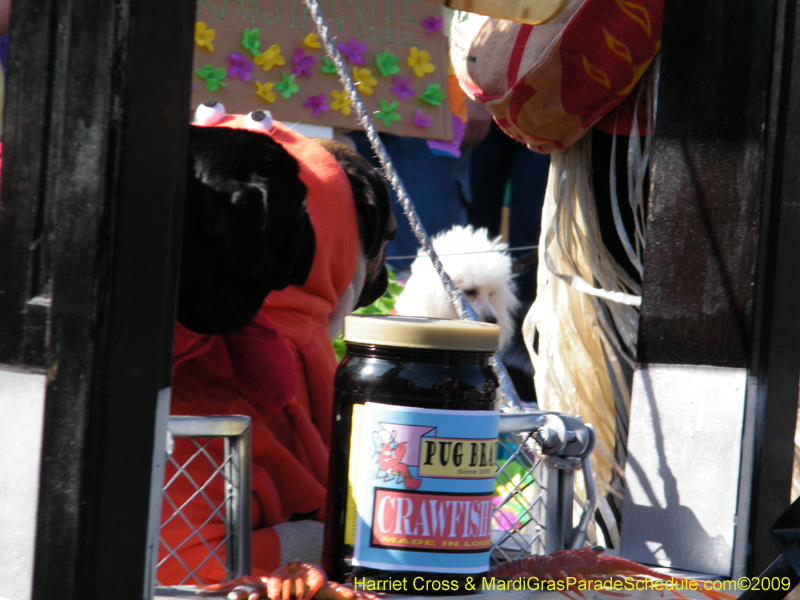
[21, 415]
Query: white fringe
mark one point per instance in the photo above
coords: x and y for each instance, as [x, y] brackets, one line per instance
[585, 329]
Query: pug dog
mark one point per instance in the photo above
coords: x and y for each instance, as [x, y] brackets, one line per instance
[376, 226]
[246, 229]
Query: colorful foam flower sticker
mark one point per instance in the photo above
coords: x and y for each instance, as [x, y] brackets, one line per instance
[387, 63]
[402, 88]
[241, 66]
[264, 90]
[327, 66]
[341, 102]
[312, 41]
[270, 57]
[302, 63]
[419, 61]
[287, 86]
[213, 77]
[317, 105]
[364, 80]
[203, 36]
[353, 51]
[432, 24]
[421, 119]
[387, 113]
[250, 40]
[433, 94]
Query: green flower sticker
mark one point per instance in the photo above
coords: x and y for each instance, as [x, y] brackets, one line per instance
[213, 77]
[287, 86]
[250, 40]
[328, 66]
[433, 95]
[387, 63]
[387, 113]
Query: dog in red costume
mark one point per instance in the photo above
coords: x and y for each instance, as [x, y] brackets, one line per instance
[278, 368]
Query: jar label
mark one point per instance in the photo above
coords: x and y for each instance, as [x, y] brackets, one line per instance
[424, 489]
[352, 477]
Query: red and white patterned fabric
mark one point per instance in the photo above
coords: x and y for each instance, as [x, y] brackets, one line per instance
[545, 85]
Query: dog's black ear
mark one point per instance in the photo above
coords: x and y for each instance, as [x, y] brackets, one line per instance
[246, 230]
[368, 227]
[375, 212]
[374, 289]
[246, 241]
[371, 195]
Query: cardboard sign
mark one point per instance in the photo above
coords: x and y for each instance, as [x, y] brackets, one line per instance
[251, 54]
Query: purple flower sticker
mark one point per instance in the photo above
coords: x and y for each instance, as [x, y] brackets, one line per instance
[421, 119]
[432, 24]
[353, 51]
[240, 66]
[402, 87]
[317, 105]
[302, 63]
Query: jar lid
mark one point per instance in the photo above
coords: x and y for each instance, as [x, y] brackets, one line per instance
[421, 332]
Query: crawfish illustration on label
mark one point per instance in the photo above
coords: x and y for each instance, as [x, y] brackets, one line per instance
[425, 488]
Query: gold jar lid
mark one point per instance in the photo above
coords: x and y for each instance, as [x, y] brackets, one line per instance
[421, 332]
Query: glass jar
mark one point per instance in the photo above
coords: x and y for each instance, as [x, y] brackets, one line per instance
[413, 455]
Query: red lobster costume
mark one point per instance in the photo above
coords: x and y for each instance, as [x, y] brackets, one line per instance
[278, 370]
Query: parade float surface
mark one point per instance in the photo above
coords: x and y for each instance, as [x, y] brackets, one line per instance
[585, 573]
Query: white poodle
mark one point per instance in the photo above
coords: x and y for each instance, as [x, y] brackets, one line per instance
[480, 267]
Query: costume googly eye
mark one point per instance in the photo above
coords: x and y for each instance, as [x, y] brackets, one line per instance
[209, 113]
[259, 120]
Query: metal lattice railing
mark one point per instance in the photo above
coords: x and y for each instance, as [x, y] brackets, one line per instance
[533, 512]
[214, 466]
[534, 492]
[520, 511]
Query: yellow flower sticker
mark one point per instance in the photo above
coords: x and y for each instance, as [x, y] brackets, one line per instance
[364, 80]
[203, 37]
[419, 61]
[271, 57]
[341, 102]
[312, 41]
[264, 90]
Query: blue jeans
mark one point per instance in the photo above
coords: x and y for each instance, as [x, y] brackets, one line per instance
[495, 162]
[436, 183]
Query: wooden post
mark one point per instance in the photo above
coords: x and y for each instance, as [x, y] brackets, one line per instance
[720, 289]
[97, 113]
